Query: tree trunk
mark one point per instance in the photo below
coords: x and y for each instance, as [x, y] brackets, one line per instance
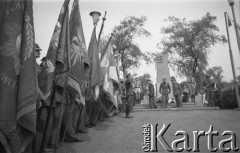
[195, 64]
[123, 66]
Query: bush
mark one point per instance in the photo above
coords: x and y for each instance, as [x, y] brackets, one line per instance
[229, 97]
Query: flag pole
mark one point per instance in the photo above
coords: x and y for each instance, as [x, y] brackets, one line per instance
[236, 30]
[232, 62]
[61, 113]
[109, 40]
[100, 33]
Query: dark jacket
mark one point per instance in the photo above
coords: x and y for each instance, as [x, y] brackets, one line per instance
[129, 88]
[165, 88]
[151, 89]
[177, 90]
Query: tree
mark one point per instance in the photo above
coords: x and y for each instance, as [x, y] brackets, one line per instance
[189, 43]
[143, 79]
[215, 73]
[128, 52]
[226, 84]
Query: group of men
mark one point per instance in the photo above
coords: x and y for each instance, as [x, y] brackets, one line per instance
[165, 90]
[210, 89]
[56, 113]
[137, 92]
[131, 93]
[76, 118]
[212, 92]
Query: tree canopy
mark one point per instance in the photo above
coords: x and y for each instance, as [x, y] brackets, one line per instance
[129, 53]
[189, 43]
[215, 73]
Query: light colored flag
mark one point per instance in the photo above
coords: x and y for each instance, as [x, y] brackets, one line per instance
[229, 20]
[113, 70]
[109, 75]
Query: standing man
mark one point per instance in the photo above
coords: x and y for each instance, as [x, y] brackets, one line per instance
[192, 88]
[217, 96]
[40, 96]
[81, 111]
[208, 87]
[164, 89]
[151, 94]
[123, 95]
[129, 95]
[137, 86]
[177, 92]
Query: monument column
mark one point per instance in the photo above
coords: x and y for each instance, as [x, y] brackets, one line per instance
[162, 69]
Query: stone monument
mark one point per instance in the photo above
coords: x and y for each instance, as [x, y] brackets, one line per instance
[162, 69]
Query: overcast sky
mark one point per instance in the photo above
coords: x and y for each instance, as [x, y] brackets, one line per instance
[46, 13]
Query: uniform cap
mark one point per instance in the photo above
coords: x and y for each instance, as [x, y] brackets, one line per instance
[37, 48]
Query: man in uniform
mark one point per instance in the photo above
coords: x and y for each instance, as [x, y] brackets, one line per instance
[37, 50]
[123, 95]
[38, 70]
[164, 89]
[151, 94]
[129, 95]
[177, 92]
[192, 88]
[208, 87]
[80, 112]
[137, 89]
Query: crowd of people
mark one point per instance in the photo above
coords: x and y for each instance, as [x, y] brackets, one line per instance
[77, 118]
[145, 94]
[46, 104]
[62, 116]
[71, 90]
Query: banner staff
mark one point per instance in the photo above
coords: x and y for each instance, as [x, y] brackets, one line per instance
[231, 58]
[100, 33]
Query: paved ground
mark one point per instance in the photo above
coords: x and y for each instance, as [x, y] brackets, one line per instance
[121, 135]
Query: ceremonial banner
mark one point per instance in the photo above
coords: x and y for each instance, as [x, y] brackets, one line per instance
[57, 58]
[95, 69]
[93, 54]
[18, 83]
[78, 52]
[109, 79]
[113, 69]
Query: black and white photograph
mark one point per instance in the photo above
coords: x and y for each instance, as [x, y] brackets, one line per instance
[119, 76]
